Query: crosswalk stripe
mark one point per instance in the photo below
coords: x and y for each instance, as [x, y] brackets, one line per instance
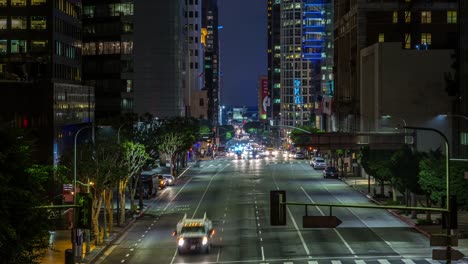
[360, 261]
[432, 261]
[312, 262]
[336, 262]
[408, 261]
[383, 261]
[288, 262]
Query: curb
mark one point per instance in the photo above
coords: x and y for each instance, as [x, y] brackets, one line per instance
[117, 236]
[404, 219]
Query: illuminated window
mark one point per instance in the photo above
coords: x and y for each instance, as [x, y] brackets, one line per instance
[451, 17]
[426, 38]
[426, 17]
[38, 2]
[381, 37]
[3, 46]
[18, 2]
[88, 11]
[38, 45]
[17, 46]
[407, 41]
[407, 16]
[395, 17]
[19, 22]
[38, 22]
[277, 85]
[277, 101]
[3, 2]
[3, 22]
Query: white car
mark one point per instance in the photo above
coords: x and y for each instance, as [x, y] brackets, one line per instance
[318, 163]
[168, 179]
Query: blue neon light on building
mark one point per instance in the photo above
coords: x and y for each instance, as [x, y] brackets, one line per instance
[313, 32]
[297, 92]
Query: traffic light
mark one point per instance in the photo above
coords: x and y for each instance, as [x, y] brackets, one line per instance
[450, 219]
[278, 207]
[84, 201]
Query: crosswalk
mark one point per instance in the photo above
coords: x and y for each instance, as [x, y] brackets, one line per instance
[362, 261]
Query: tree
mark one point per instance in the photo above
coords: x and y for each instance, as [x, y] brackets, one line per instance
[301, 138]
[96, 164]
[132, 160]
[170, 143]
[377, 164]
[431, 177]
[23, 227]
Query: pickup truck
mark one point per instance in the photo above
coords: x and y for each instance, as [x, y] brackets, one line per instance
[194, 235]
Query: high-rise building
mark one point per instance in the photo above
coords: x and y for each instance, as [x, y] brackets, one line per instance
[160, 58]
[211, 58]
[40, 72]
[108, 54]
[274, 59]
[196, 38]
[416, 24]
[302, 49]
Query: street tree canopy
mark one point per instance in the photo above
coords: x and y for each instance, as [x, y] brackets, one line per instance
[23, 227]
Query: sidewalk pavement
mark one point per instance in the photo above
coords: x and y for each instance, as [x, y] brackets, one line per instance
[361, 184]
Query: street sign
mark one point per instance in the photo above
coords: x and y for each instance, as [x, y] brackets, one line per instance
[441, 254]
[440, 240]
[309, 221]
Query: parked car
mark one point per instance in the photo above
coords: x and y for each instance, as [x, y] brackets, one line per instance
[299, 155]
[168, 179]
[330, 172]
[318, 163]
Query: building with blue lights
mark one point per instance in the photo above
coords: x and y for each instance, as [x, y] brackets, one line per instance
[303, 39]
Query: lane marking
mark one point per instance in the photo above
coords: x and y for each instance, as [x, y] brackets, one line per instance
[298, 232]
[127, 255]
[336, 262]
[360, 261]
[383, 261]
[206, 190]
[312, 262]
[196, 209]
[263, 253]
[334, 229]
[408, 261]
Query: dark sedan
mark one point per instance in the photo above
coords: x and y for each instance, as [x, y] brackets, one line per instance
[330, 172]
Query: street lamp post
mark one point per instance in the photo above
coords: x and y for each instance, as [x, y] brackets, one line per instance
[447, 180]
[74, 245]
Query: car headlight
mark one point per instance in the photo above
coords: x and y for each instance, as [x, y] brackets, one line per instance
[181, 242]
[204, 240]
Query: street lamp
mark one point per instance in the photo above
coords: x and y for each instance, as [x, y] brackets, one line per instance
[74, 190]
[404, 123]
[447, 180]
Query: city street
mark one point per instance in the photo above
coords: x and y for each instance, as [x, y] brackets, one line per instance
[235, 195]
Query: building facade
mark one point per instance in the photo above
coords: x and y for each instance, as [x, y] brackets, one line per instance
[274, 59]
[160, 58]
[108, 54]
[211, 58]
[302, 50]
[416, 24]
[40, 72]
[196, 97]
[390, 73]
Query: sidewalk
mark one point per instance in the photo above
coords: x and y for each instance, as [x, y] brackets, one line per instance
[361, 184]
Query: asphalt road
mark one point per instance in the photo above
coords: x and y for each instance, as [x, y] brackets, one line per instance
[235, 195]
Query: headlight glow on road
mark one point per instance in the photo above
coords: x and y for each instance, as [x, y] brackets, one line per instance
[204, 241]
[181, 242]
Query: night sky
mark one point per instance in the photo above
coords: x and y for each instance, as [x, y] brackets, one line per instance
[243, 47]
